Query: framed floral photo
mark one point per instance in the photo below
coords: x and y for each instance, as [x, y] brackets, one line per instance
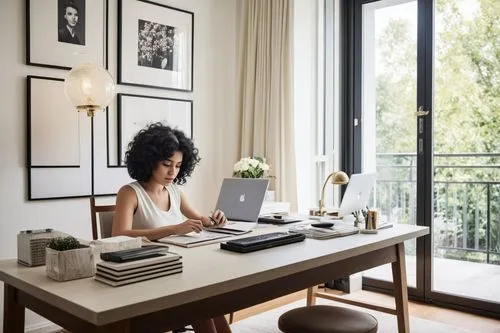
[136, 112]
[64, 33]
[155, 45]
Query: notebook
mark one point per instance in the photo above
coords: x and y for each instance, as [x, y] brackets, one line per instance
[241, 200]
[279, 219]
[194, 239]
[144, 269]
[118, 267]
[120, 276]
[323, 233]
[116, 283]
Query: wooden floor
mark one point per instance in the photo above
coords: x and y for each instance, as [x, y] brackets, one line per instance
[425, 311]
[454, 277]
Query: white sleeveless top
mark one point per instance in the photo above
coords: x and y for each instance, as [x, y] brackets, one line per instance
[148, 215]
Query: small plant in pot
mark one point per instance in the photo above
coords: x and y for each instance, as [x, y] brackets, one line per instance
[66, 259]
[254, 167]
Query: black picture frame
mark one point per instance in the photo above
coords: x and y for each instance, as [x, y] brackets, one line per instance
[65, 171]
[50, 44]
[175, 112]
[155, 45]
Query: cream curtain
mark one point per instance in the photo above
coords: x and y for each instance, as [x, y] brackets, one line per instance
[266, 87]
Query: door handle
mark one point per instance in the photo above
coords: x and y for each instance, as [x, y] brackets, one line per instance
[420, 112]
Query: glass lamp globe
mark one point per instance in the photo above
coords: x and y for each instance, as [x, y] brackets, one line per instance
[89, 88]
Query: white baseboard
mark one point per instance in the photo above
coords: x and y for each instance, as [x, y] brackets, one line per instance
[43, 327]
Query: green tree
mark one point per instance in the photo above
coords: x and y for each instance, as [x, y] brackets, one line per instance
[466, 105]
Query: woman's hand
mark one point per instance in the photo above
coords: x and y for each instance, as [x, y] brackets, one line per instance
[188, 226]
[217, 219]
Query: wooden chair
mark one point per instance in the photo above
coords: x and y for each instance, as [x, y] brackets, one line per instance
[103, 214]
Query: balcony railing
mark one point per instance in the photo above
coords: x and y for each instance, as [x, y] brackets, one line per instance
[466, 198]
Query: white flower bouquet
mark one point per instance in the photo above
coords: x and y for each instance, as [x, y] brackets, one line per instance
[251, 167]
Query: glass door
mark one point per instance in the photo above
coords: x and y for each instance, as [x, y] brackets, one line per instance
[425, 101]
[388, 124]
[466, 159]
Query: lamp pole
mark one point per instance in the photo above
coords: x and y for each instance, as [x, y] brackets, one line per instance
[337, 178]
[90, 88]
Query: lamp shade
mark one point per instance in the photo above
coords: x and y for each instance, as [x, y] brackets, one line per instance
[89, 88]
[340, 178]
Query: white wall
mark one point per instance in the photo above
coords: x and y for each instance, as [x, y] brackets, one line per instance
[215, 121]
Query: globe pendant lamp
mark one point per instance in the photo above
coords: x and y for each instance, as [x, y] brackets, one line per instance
[89, 88]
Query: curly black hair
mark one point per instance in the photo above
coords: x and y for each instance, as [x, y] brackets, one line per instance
[156, 143]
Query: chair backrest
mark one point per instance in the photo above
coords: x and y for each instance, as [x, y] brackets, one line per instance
[104, 214]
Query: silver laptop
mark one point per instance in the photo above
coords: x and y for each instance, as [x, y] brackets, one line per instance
[241, 201]
[357, 193]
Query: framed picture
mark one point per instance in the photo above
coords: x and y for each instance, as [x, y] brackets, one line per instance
[58, 144]
[107, 177]
[64, 33]
[155, 45]
[136, 112]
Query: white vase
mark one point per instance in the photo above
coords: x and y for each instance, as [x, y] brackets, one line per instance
[270, 196]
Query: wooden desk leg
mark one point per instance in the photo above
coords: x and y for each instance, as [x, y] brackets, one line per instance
[401, 290]
[311, 295]
[13, 312]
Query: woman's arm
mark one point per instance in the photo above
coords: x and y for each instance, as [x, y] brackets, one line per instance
[217, 217]
[126, 204]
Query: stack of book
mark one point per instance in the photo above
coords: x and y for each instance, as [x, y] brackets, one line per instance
[116, 273]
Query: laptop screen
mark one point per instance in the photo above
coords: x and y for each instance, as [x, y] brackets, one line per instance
[357, 194]
[241, 198]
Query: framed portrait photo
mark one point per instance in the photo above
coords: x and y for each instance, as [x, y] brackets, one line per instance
[155, 45]
[135, 112]
[65, 33]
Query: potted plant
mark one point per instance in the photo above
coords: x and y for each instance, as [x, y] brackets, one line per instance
[253, 167]
[67, 259]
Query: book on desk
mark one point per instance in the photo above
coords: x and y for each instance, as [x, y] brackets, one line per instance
[311, 231]
[194, 239]
[121, 273]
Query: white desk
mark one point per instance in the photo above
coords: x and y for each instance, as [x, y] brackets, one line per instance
[214, 282]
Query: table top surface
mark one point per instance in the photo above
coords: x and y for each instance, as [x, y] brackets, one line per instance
[207, 271]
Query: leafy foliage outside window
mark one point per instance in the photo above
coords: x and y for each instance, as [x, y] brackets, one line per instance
[466, 120]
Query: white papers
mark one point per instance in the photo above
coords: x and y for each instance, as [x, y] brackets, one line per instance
[193, 239]
[323, 233]
[234, 228]
[112, 244]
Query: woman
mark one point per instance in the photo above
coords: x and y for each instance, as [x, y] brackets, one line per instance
[159, 158]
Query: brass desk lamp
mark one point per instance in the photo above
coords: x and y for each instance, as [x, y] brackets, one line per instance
[337, 178]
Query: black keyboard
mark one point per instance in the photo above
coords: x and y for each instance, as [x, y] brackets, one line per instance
[264, 241]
